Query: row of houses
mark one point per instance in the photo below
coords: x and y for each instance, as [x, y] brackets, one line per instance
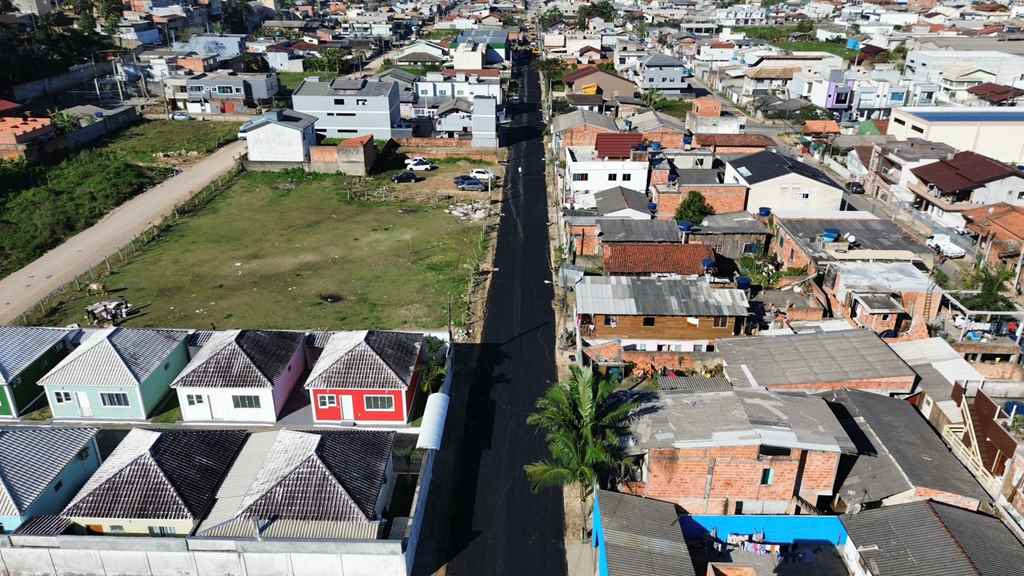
[235, 376]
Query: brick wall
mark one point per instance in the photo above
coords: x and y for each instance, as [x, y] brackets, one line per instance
[659, 177]
[723, 199]
[707, 107]
[946, 498]
[585, 240]
[655, 362]
[667, 138]
[790, 253]
[582, 136]
[895, 384]
[711, 480]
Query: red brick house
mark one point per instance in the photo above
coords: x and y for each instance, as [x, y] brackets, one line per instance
[366, 377]
[734, 143]
[625, 259]
[738, 452]
[581, 127]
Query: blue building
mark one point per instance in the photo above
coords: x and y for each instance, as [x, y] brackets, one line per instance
[41, 469]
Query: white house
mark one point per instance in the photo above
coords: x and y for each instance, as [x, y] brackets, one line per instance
[458, 85]
[470, 56]
[587, 173]
[783, 184]
[279, 136]
[241, 376]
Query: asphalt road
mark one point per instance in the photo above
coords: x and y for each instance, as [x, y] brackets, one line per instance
[24, 288]
[481, 516]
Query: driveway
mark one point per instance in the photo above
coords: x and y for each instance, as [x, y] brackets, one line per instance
[481, 516]
[23, 289]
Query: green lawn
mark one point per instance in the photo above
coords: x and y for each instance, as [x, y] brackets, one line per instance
[291, 80]
[811, 46]
[138, 143]
[439, 34]
[677, 108]
[287, 250]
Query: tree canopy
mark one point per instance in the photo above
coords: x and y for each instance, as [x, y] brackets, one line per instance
[694, 208]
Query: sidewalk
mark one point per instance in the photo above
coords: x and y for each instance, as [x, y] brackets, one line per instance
[23, 289]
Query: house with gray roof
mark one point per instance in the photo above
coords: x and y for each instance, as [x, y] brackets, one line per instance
[619, 202]
[41, 468]
[366, 376]
[634, 535]
[930, 539]
[665, 74]
[157, 483]
[899, 457]
[658, 314]
[638, 231]
[26, 354]
[347, 107]
[241, 376]
[279, 136]
[302, 485]
[740, 450]
[783, 184]
[856, 359]
[115, 374]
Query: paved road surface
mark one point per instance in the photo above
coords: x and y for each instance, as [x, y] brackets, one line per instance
[23, 289]
[481, 517]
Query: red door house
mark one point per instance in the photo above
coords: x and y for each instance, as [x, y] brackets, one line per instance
[365, 377]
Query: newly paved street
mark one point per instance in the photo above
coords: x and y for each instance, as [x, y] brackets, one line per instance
[22, 289]
[482, 517]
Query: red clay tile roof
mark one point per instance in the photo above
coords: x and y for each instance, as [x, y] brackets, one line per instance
[964, 171]
[581, 72]
[722, 45]
[1003, 221]
[684, 259]
[357, 142]
[995, 93]
[821, 127]
[481, 72]
[733, 140]
[6, 105]
[616, 145]
[22, 126]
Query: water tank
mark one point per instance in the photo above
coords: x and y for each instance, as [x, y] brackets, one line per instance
[764, 211]
[684, 225]
[656, 146]
[743, 282]
[652, 207]
[709, 263]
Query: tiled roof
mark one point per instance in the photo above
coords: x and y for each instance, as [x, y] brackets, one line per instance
[169, 475]
[683, 259]
[964, 171]
[30, 458]
[612, 145]
[995, 93]
[20, 346]
[23, 126]
[745, 140]
[304, 476]
[821, 127]
[581, 72]
[372, 359]
[1002, 220]
[576, 118]
[241, 359]
[115, 357]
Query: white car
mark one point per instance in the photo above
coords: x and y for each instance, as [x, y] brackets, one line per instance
[482, 174]
[942, 244]
[422, 165]
[414, 160]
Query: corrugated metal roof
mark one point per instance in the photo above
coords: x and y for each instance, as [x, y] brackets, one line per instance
[696, 383]
[657, 297]
[241, 359]
[115, 357]
[31, 457]
[643, 537]
[372, 359]
[622, 230]
[20, 346]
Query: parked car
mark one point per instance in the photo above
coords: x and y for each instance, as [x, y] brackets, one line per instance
[482, 174]
[405, 176]
[942, 244]
[463, 178]
[473, 186]
[414, 160]
[855, 188]
[422, 165]
[180, 116]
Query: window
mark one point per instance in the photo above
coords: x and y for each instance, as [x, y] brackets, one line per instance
[225, 90]
[804, 195]
[116, 528]
[194, 399]
[611, 321]
[766, 477]
[327, 401]
[773, 451]
[339, 101]
[627, 177]
[62, 397]
[721, 321]
[58, 485]
[899, 121]
[613, 177]
[751, 248]
[246, 401]
[161, 531]
[379, 403]
[1020, 195]
[579, 177]
[917, 129]
[118, 399]
[195, 88]
[361, 102]
[649, 321]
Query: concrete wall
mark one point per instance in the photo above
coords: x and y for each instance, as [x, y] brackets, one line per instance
[101, 128]
[276, 143]
[29, 91]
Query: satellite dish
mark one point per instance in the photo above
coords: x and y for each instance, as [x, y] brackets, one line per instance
[851, 238]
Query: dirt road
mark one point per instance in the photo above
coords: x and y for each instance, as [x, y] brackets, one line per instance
[23, 289]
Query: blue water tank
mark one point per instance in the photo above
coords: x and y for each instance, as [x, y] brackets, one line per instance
[743, 282]
[830, 234]
[684, 225]
[652, 207]
[656, 146]
[764, 211]
[709, 263]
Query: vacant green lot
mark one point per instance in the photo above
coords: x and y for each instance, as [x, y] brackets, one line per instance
[140, 142]
[291, 80]
[288, 250]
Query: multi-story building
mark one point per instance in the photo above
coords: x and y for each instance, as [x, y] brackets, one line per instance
[464, 85]
[995, 131]
[889, 170]
[347, 108]
[664, 74]
[227, 92]
[613, 161]
[954, 73]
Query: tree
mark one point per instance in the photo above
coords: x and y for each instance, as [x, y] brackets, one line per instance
[653, 100]
[990, 283]
[805, 26]
[7, 7]
[64, 122]
[551, 18]
[110, 14]
[694, 208]
[235, 16]
[604, 10]
[583, 419]
[86, 18]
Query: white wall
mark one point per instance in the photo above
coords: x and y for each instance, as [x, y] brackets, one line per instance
[1002, 140]
[598, 174]
[219, 404]
[787, 193]
[276, 143]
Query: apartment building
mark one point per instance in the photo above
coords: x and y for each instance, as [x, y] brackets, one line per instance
[346, 108]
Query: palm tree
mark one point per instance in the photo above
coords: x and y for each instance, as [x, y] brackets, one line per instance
[583, 419]
[990, 283]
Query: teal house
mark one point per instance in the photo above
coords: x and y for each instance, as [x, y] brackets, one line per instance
[41, 470]
[116, 374]
[26, 354]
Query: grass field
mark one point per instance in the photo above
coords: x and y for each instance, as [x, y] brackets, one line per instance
[287, 250]
[140, 142]
[291, 80]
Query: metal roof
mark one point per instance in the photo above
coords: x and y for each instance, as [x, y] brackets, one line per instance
[740, 417]
[832, 357]
[768, 165]
[618, 198]
[695, 383]
[966, 115]
[570, 120]
[628, 230]
[31, 457]
[657, 297]
[20, 346]
[869, 233]
[162, 475]
[363, 359]
[115, 357]
[643, 537]
[241, 359]
[733, 223]
[933, 539]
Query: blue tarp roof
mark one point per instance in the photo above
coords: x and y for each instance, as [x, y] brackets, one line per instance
[971, 116]
[776, 529]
